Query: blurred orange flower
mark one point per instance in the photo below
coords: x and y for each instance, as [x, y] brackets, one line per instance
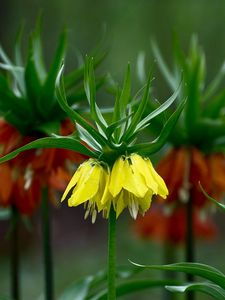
[23, 178]
[209, 170]
[183, 169]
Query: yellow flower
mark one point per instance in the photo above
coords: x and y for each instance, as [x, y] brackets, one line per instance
[89, 186]
[133, 182]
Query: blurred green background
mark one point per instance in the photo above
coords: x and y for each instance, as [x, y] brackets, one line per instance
[79, 247]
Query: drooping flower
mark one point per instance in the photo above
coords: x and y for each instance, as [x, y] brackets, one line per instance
[209, 170]
[23, 178]
[131, 183]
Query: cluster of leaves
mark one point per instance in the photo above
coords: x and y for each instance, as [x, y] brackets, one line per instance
[27, 89]
[103, 140]
[204, 109]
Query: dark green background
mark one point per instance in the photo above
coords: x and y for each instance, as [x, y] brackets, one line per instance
[79, 247]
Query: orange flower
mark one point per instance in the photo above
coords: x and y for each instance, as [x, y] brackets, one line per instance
[162, 226]
[23, 178]
[183, 169]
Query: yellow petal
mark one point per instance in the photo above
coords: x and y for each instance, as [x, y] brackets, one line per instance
[142, 167]
[87, 188]
[117, 177]
[133, 181]
[119, 204]
[162, 188]
[72, 182]
[106, 197]
[145, 202]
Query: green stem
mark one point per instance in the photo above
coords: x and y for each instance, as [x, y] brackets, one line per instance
[190, 256]
[47, 249]
[112, 255]
[15, 265]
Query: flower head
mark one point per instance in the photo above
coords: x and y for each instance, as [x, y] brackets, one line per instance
[131, 183]
[209, 170]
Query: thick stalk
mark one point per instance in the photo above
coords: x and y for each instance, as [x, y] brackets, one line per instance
[112, 255]
[47, 249]
[189, 222]
[15, 255]
[190, 243]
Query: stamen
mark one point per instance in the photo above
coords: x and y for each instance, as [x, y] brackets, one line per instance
[94, 216]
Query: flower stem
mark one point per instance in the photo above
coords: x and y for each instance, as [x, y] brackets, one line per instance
[47, 249]
[190, 257]
[15, 265]
[112, 255]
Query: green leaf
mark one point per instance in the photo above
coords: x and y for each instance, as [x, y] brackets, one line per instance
[131, 286]
[72, 114]
[159, 142]
[158, 110]
[32, 82]
[205, 287]
[76, 75]
[47, 97]
[220, 205]
[88, 139]
[212, 128]
[16, 72]
[202, 270]
[90, 90]
[60, 142]
[139, 112]
[163, 67]
[214, 107]
[37, 50]
[18, 54]
[122, 100]
[213, 86]
[78, 290]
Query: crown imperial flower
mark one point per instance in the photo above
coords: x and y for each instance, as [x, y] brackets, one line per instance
[131, 183]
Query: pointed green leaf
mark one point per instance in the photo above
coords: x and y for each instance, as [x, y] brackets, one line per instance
[47, 98]
[72, 114]
[202, 270]
[163, 67]
[16, 73]
[159, 142]
[131, 286]
[18, 54]
[139, 112]
[37, 50]
[78, 290]
[158, 110]
[60, 142]
[205, 287]
[213, 86]
[90, 90]
[220, 205]
[215, 106]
